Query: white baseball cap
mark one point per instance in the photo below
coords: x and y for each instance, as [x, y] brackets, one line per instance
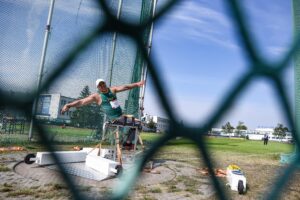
[99, 80]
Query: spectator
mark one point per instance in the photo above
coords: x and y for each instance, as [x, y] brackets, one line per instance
[266, 139]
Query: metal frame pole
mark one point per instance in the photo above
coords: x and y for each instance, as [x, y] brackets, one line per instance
[42, 63]
[114, 43]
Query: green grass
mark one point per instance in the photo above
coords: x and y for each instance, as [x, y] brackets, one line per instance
[49, 191]
[173, 188]
[4, 168]
[155, 190]
[55, 129]
[22, 192]
[151, 137]
[223, 144]
[68, 131]
[191, 185]
[175, 145]
[6, 187]
[55, 133]
[58, 186]
[13, 139]
[247, 146]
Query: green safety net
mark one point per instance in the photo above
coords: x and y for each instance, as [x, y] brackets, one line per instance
[102, 28]
[111, 56]
[131, 106]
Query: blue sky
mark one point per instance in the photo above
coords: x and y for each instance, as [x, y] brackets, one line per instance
[199, 56]
[195, 47]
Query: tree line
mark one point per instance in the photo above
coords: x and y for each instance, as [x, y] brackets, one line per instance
[280, 130]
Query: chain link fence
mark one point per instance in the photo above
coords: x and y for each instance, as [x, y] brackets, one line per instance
[76, 59]
[25, 61]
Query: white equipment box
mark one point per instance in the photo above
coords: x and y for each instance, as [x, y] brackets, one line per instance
[102, 165]
[104, 153]
[236, 179]
[45, 158]
[85, 163]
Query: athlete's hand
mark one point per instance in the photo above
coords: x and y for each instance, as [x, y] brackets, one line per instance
[141, 83]
[65, 109]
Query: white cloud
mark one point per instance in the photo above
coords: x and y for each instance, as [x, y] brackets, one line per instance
[199, 23]
[199, 13]
[80, 7]
[276, 50]
[270, 22]
[33, 25]
[226, 42]
[39, 8]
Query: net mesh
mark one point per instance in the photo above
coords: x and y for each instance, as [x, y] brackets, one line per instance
[79, 52]
[111, 56]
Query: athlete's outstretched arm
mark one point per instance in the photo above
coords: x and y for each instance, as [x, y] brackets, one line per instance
[122, 88]
[93, 98]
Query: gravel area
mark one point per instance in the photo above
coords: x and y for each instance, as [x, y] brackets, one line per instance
[177, 179]
[37, 182]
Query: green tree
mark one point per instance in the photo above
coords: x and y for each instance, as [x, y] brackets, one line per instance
[227, 128]
[89, 116]
[151, 124]
[85, 92]
[240, 127]
[280, 130]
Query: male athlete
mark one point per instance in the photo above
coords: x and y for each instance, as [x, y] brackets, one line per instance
[105, 97]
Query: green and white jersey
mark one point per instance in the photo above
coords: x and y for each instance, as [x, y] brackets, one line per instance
[110, 105]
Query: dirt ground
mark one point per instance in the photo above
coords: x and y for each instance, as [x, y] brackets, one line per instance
[174, 179]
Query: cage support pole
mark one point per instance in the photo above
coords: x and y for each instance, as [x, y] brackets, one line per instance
[42, 63]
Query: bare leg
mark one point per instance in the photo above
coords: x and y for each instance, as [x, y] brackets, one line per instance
[119, 153]
[141, 141]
